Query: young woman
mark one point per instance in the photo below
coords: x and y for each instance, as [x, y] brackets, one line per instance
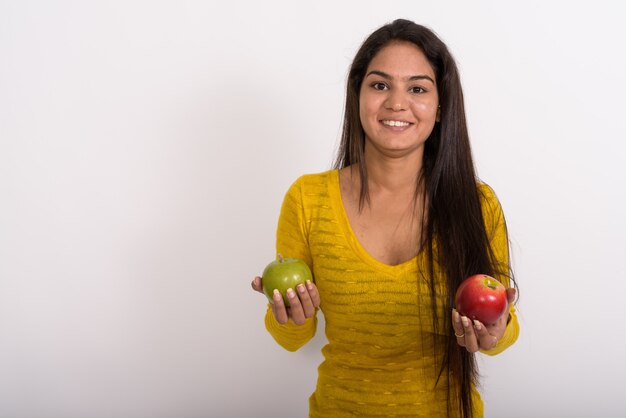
[389, 235]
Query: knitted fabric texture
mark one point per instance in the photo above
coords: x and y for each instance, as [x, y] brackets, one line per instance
[383, 354]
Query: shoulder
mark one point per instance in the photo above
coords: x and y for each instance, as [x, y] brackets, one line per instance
[313, 184]
[487, 195]
[485, 191]
[314, 179]
[307, 194]
[491, 208]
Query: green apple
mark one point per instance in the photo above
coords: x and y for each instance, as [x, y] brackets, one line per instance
[283, 274]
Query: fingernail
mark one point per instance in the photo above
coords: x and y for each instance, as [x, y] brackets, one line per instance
[309, 285]
[477, 325]
[465, 321]
[301, 288]
[277, 296]
[291, 293]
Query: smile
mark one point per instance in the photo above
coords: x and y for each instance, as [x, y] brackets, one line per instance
[394, 123]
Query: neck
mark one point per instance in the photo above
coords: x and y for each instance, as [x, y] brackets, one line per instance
[391, 174]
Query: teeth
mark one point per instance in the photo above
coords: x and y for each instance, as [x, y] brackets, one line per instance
[395, 123]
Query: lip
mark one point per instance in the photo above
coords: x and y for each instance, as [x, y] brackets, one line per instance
[396, 127]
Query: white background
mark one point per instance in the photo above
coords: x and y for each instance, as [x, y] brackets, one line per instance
[145, 148]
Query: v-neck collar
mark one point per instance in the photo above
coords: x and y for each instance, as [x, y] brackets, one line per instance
[334, 190]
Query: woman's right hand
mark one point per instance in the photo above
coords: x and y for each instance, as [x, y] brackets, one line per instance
[304, 301]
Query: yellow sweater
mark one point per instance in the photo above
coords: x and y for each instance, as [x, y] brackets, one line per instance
[383, 356]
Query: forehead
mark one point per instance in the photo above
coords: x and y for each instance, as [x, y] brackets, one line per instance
[401, 59]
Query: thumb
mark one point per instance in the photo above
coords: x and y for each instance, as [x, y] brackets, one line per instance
[510, 295]
[257, 284]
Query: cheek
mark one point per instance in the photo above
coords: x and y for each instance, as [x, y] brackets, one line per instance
[367, 110]
[424, 110]
[369, 102]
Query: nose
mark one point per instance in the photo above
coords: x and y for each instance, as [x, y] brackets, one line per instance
[396, 101]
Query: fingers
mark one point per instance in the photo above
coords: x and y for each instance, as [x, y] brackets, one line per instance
[457, 325]
[257, 284]
[303, 301]
[471, 341]
[279, 309]
[313, 293]
[486, 341]
[464, 332]
[297, 311]
[472, 335]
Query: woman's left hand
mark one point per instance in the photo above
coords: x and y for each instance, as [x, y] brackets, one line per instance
[474, 335]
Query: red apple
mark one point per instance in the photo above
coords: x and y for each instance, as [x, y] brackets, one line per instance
[481, 297]
[283, 274]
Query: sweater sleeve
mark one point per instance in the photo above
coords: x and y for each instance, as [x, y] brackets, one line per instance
[499, 240]
[292, 241]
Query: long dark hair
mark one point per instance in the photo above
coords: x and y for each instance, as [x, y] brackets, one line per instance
[454, 217]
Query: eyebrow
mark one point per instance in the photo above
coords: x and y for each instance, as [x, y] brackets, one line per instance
[411, 78]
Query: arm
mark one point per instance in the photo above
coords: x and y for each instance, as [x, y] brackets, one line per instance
[292, 241]
[491, 339]
[499, 241]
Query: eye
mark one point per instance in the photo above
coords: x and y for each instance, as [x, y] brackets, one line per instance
[417, 90]
[379, 86]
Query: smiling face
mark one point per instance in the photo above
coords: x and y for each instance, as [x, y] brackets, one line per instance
[398, 101]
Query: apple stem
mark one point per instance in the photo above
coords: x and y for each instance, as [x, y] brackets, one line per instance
[280, 258]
